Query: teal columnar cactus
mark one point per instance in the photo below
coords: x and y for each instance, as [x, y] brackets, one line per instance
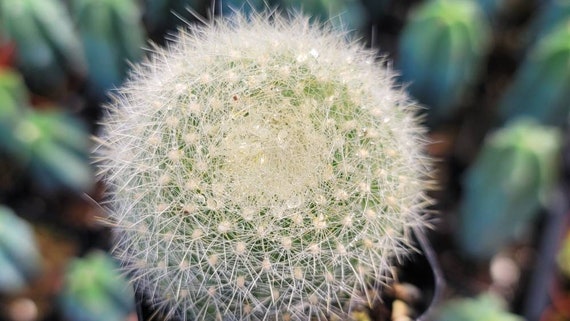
[262, 169]
[552, 15]
[112, 37]
[493, 8]
[94, 290]
[541, 88]
[487, 307]
[348, 14]
[47, 46]
[162, 16]
[441, 49]
[504, 189]
[52, 145]
[19, 255]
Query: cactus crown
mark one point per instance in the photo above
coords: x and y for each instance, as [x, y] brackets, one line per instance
[262, 168]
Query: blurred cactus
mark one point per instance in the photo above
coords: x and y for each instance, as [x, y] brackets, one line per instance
[506, 186]
[541, 88]
[162, 16]
[376, 8]
[19, 256]
[112, 36]
[51, 144]
[442, 49]
[486, 307]
[553, 14]
[94, 290]
[263, 168]
[343, 14]
[563, 258]
[13, 94]
[492, 8]
[55, 146]
[46, 43]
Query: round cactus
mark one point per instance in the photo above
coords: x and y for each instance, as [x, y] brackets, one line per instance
[262, 168]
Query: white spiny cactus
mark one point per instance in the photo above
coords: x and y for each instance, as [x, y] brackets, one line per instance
[262, 169]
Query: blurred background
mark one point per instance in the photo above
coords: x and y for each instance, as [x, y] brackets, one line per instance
[493, 77]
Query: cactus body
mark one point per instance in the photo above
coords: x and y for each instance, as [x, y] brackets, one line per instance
[94, 290]
[51, 144]
[485, 307]
[112, 36]
[163, 16]
[504, 189]
[541, 89]
[262, 171]
[552, 15]
[19, 256]
[349, 14]
[441, 49]
[47, 45]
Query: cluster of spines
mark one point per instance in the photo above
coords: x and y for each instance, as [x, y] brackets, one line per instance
[262, 170]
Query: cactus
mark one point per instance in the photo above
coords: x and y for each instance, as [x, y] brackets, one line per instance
[487, 307]
[441, 49]
[247, 7]
[55, 147]
[47, 46]
[348, 14]
[506, 186]
[13, 94]
[51, 144]
[162, 16]
[552, 14]
[541, 88]
[94, 290]
[563, 257]
[112, 36]
[493, 8]
[262, 168]
[19, 256]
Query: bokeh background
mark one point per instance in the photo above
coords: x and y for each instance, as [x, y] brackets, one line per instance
[493, 77]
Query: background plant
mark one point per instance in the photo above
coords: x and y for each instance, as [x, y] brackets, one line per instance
[63, 222]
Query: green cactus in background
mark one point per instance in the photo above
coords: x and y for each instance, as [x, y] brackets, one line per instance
[47, 46]
[263, 168]
[346, 14]
[51, 144]
[486, 307]
[541, 88]
[441, 50]
[112, 37]
[19, 256]
[506, 186]
[492, 8]
[13, 94]
[552, 15]
[94, 290]
[55, 147]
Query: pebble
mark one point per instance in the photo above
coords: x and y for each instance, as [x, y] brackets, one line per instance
[400, 310]
[406, 296]
[407, 292]
[23, 310]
